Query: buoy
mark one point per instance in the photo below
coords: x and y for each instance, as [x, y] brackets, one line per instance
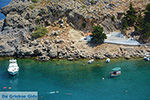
[4, 87]
[103, 78]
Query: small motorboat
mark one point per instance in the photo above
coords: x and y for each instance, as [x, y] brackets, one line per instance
[107, 60]
[91, 61]
[13, 67]
[146, 58]
[115, 72]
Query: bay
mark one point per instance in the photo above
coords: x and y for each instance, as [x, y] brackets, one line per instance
[77, 80]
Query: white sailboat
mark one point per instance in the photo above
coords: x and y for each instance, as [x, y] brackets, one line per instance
[13, 67]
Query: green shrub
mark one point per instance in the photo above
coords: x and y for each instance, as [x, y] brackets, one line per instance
[124, 23]
[113, 18]
[35, 1]
[148, 7]
[84, 25]
[83, 6]
[39, 32]
[43, 11]
[98, 35]
[31, 7]
[38, 20]
[93, 2]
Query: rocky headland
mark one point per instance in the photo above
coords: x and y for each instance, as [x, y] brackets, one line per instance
[67, 23]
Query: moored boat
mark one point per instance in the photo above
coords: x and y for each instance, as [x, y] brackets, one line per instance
[91, 61]
[107, 60]
[13, 67]
[115, 72]
[146, 58]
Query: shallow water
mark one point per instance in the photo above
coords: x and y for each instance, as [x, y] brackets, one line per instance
[79, 81]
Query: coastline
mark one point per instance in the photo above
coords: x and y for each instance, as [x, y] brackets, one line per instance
[56, 65]
[65, 59]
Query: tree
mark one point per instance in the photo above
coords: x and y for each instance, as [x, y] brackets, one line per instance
[148, 7]
[147, 30]
[145, 36]
[98, 35]
[139, 24]
[124, 23]
[147, 13]
[130, 17]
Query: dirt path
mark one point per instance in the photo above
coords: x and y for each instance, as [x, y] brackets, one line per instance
[80, 44]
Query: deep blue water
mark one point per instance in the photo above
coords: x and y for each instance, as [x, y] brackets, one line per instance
[78, 80]
[2, 4]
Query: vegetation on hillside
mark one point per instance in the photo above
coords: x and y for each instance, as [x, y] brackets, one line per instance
[39, 32]
[130, 17]
[84, 25]
[98, 35]
[31, 7]
[34, 1]
[140, 23]
[146, 28]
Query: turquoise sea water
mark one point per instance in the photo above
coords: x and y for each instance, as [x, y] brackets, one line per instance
[79, 81]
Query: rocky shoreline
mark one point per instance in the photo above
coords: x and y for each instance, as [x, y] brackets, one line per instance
[65, 30]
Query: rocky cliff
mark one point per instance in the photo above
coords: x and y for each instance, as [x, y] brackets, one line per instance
[66, 23]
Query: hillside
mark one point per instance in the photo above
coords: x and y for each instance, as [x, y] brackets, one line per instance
[67, 23]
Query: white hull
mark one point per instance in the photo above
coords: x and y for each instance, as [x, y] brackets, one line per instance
[91, 61]
[146, 58]
[13, 68]
[107, 60]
